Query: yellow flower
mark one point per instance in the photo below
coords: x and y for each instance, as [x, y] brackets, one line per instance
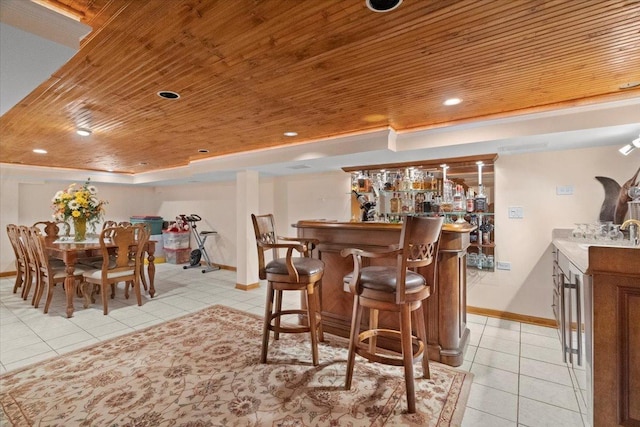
[75, 214]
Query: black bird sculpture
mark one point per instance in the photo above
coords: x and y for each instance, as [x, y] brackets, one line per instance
[614, 207]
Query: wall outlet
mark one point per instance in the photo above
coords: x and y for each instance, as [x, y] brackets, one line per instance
[564, 190]
[516, 212]
[503, 265]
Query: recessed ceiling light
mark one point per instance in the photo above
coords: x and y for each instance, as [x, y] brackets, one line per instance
[452, 101]
[40, 151]
[203, 150]
[291, 134]
[83, 132]
[168, 94]
[629, 85]
[382, 5]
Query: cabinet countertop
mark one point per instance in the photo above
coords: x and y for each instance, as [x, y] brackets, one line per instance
[578, 252]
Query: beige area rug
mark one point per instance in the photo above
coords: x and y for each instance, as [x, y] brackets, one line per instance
[203, 370]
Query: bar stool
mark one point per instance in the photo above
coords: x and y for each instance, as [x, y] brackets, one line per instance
[288, 274]
[396, 289]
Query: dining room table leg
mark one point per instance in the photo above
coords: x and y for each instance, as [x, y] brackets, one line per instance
[70, 288]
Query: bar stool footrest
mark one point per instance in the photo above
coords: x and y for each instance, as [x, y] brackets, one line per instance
[293, 329]
[383, 358]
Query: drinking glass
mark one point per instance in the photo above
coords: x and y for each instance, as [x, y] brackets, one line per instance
[615, 234]
[590, 232]
[578, 232]
[601, 231]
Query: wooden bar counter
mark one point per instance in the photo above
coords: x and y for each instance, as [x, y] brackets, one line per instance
[446, 308]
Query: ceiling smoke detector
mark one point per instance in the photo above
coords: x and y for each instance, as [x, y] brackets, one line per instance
[382, 5]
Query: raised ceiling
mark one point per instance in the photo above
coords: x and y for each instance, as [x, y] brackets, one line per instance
[249, 70]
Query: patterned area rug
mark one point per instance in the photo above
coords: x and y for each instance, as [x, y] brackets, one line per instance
[203, 370]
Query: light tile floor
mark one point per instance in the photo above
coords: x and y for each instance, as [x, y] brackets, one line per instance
[519, 377]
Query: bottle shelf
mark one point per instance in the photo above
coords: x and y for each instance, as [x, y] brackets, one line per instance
[483, 245]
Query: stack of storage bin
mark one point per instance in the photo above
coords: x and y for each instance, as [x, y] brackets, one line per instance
[176, 246]
[155, 225]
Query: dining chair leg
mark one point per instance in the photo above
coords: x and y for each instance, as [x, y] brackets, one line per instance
[313, 322]
[105, 301]
[50, 289]
[19, 281]
[136, 289]
[27, 287]
[38, 296]
[421, 331]
[356, 317]
[407, 356]
[268, 310]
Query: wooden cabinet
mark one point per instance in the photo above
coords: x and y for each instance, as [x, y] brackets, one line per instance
[616, 335]
[446, 314]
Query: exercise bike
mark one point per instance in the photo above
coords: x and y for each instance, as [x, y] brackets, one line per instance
[200, 237]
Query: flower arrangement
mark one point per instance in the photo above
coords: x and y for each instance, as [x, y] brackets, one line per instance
[78, 202]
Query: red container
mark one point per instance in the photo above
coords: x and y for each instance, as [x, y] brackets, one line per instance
[178, 256]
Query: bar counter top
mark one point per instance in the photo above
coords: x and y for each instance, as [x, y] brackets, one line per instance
[463, 227]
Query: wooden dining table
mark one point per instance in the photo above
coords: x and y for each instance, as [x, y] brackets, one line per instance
[73, 252]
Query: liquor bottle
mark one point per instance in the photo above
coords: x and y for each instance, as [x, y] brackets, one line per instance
[394, 204]
[406, 181]
[458, 199]
[471, 203]
[481, 200]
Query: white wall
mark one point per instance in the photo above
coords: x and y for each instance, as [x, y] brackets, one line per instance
[24, 201]
[527, 180]
[530, 180]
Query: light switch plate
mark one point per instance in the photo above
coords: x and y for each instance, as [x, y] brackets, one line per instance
[516, 212]
[503, 265]
[564, 190]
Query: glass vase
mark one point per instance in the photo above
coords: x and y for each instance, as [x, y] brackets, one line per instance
[79, 228]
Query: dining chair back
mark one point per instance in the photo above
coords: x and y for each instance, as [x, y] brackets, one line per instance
[22, 268]
[291, 273]
[396, 288]
[52, 229]
[48, 274]
[122, 249]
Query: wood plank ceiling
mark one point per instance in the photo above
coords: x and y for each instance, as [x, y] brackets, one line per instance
[249, 70]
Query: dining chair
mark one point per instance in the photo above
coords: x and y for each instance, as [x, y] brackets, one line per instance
[120, 263]
[31, 260]
[48, 274]
[22, 268]
[291, 273]
[52, 230]
[399, 289]
[96, 261]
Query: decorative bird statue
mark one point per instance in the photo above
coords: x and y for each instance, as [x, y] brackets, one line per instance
[614, 207]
